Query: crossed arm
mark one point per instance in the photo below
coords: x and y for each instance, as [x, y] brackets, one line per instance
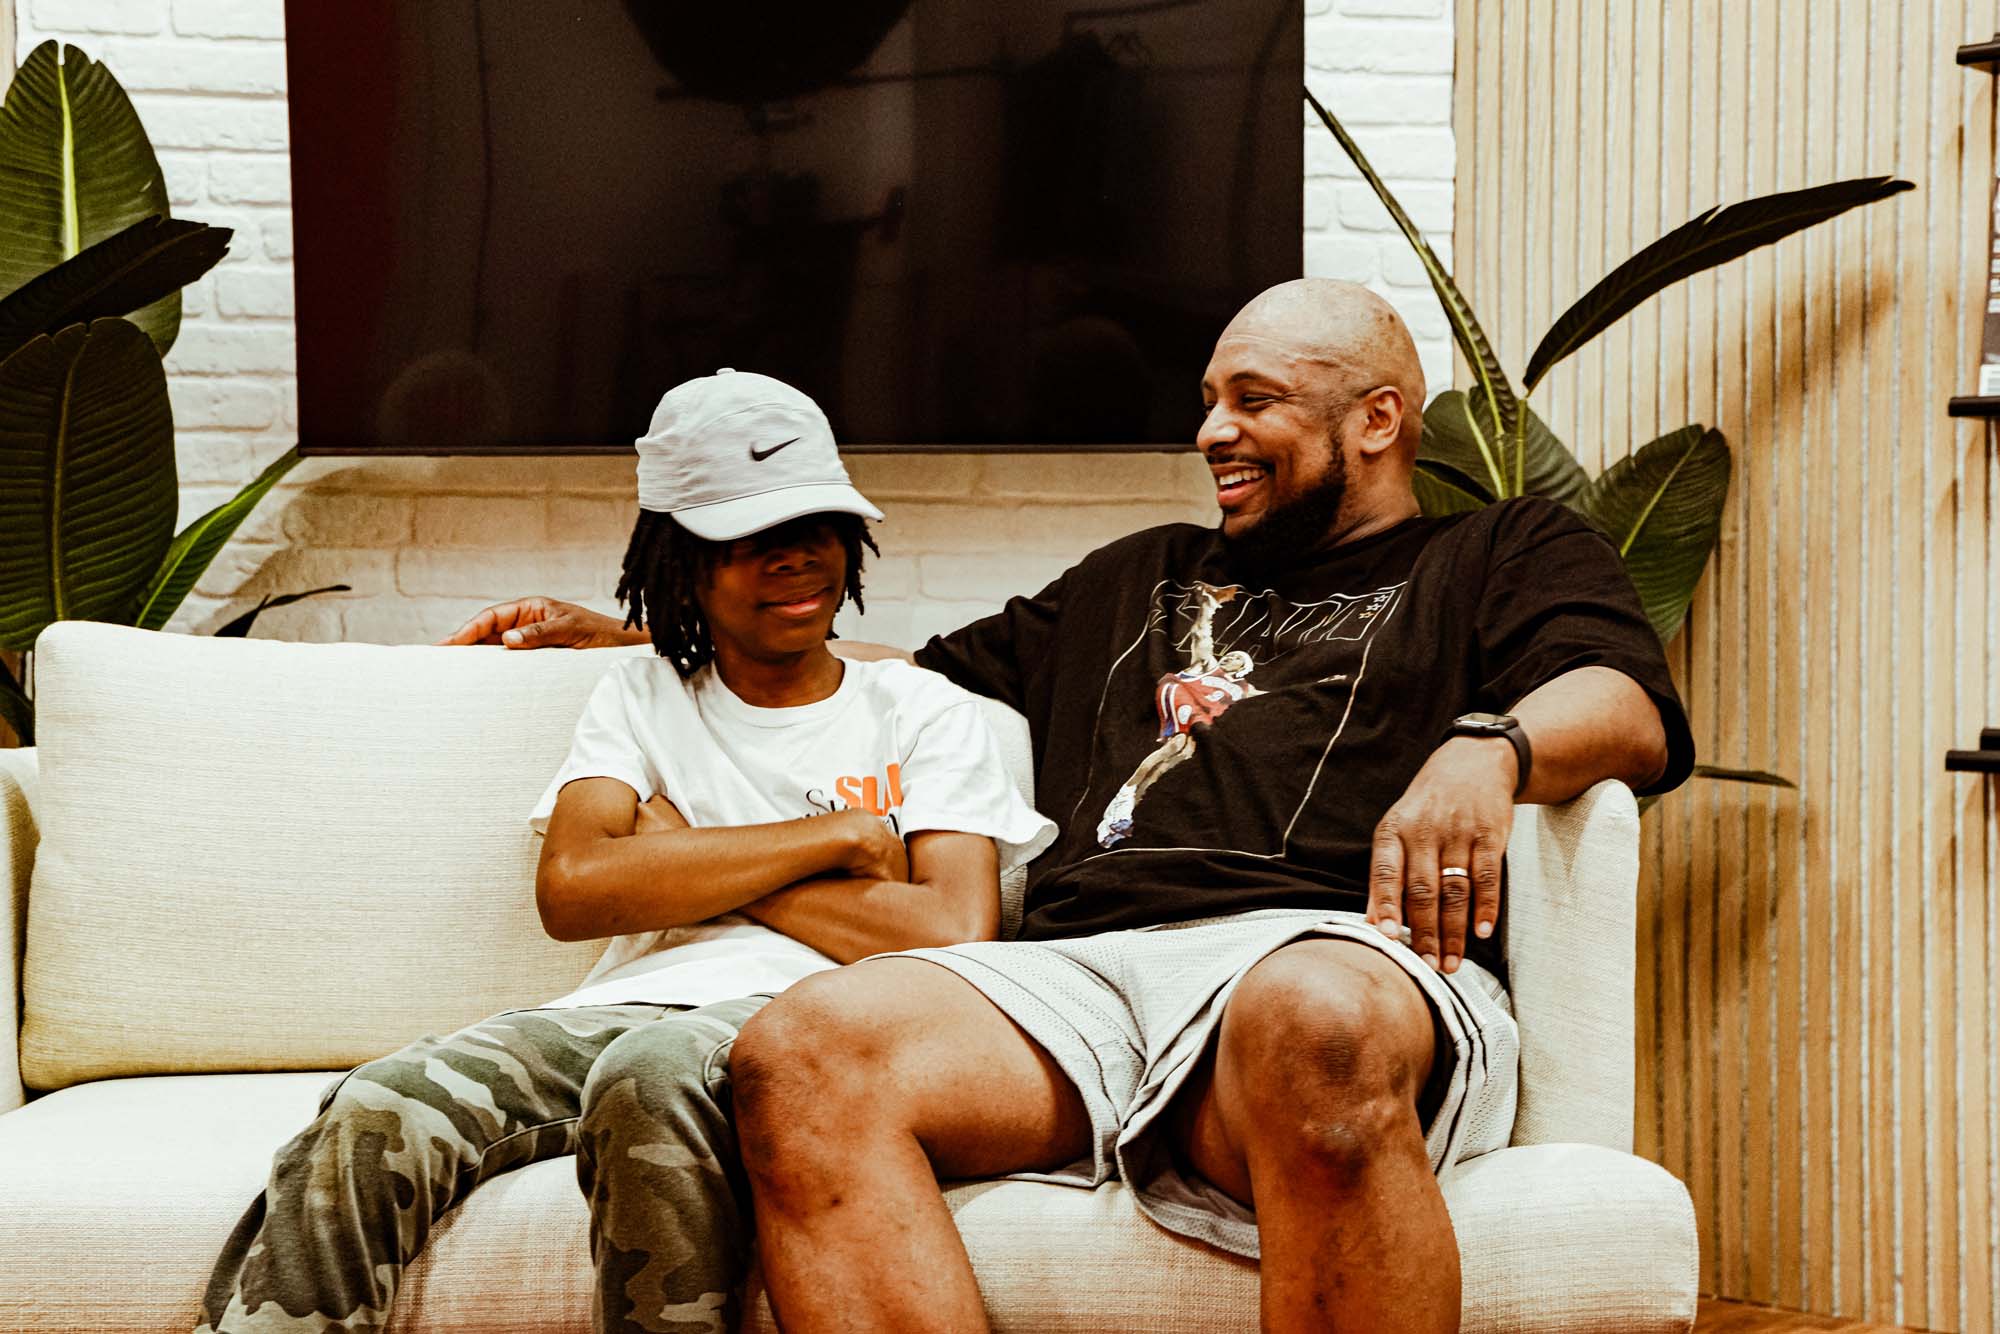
[841, 883]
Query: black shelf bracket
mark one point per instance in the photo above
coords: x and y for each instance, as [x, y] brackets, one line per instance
[1985, 760]
[1981, 55]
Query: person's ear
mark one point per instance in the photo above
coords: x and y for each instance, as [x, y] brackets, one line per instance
[1381, 411]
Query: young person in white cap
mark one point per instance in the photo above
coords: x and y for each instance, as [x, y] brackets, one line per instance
[737, 813]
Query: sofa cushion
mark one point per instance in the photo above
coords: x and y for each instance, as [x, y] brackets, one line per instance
[267, 856]
[1570, 1237]
[118, 1194]
[125, 1190]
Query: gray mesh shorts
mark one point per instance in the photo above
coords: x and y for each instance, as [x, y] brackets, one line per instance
[1127, 1014]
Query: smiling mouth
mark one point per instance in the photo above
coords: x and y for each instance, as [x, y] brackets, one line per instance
[1233, 481]
[805, 604]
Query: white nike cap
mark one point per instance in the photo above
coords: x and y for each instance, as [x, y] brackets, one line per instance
[735, 452]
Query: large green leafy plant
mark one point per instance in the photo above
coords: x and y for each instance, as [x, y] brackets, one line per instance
[1661, 506]
[93, 267]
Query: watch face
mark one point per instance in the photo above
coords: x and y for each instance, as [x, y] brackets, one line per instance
[1485, 722]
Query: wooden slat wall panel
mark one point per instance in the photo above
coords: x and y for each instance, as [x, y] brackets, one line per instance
[1819, 1025]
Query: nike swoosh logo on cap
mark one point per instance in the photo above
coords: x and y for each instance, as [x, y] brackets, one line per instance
[758, 456]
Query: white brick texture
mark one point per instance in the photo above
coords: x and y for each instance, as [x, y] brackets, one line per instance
[426, 542]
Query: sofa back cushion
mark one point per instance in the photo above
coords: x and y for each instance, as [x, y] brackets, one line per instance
[265, 856]
[268, 856]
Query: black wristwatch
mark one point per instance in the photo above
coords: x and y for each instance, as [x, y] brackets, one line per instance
[1500, 725]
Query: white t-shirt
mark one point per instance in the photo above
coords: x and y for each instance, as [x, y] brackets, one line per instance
[898, 740]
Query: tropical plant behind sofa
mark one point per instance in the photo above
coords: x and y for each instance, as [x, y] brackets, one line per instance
[93, 266]
[1662, 505]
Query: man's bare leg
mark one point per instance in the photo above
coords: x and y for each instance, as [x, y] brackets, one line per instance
[1307, 1111]
[854, 1092]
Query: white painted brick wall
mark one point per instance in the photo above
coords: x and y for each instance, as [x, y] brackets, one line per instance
[424, 542]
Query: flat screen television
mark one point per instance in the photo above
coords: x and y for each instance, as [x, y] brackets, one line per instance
[958, 224]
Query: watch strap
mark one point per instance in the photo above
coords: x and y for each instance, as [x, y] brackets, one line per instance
[1524, 754]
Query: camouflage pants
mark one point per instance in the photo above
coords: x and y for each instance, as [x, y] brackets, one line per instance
[639, 1093]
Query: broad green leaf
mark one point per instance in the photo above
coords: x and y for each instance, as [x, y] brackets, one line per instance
[239, 627]
[120, 274]
[1441, 489]
[1466, 441]
[87, 477]
[1460, 432]
[1445, 472]
[1662, 509]
[1715, 237]
[1761, 777]
[198, 543]
[1502, 405]
[75, 168]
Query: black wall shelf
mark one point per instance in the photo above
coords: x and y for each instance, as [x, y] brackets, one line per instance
[1982, 56]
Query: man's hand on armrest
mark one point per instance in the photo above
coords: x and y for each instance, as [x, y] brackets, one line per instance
[606, 870]
[1583, 727]
[544, 623]
[952, 895]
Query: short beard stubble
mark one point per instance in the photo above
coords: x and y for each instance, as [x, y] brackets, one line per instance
[1293, 531]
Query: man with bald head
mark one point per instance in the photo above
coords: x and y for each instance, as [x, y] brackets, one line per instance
[1259, 975]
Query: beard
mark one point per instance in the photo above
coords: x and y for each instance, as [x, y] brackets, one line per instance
[1290, 532]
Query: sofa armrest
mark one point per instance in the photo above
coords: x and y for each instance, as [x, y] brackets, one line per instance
[18, 771]
[1574, 1237]
[1572, 929]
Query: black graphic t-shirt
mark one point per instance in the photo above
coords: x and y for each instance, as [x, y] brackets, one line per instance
[1210, 745]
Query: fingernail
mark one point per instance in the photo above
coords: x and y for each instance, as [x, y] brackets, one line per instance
[1431, 959]
[1389, 927]
[512, 637]
[1451, 963]
[1483, 930]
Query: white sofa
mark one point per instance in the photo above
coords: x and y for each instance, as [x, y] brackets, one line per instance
[238, 865]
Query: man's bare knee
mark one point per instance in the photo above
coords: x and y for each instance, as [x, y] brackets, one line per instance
[801, 1065]
[1323, 1053]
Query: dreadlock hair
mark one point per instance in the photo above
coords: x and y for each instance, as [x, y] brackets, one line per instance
[665, 564]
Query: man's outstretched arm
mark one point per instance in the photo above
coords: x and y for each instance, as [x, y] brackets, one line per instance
[1584, 726]
[537, 622]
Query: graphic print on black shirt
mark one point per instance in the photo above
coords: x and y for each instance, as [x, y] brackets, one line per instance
[1211, 744]
[1227, 635]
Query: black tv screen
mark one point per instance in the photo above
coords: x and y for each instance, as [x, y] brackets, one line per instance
[956, 223]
